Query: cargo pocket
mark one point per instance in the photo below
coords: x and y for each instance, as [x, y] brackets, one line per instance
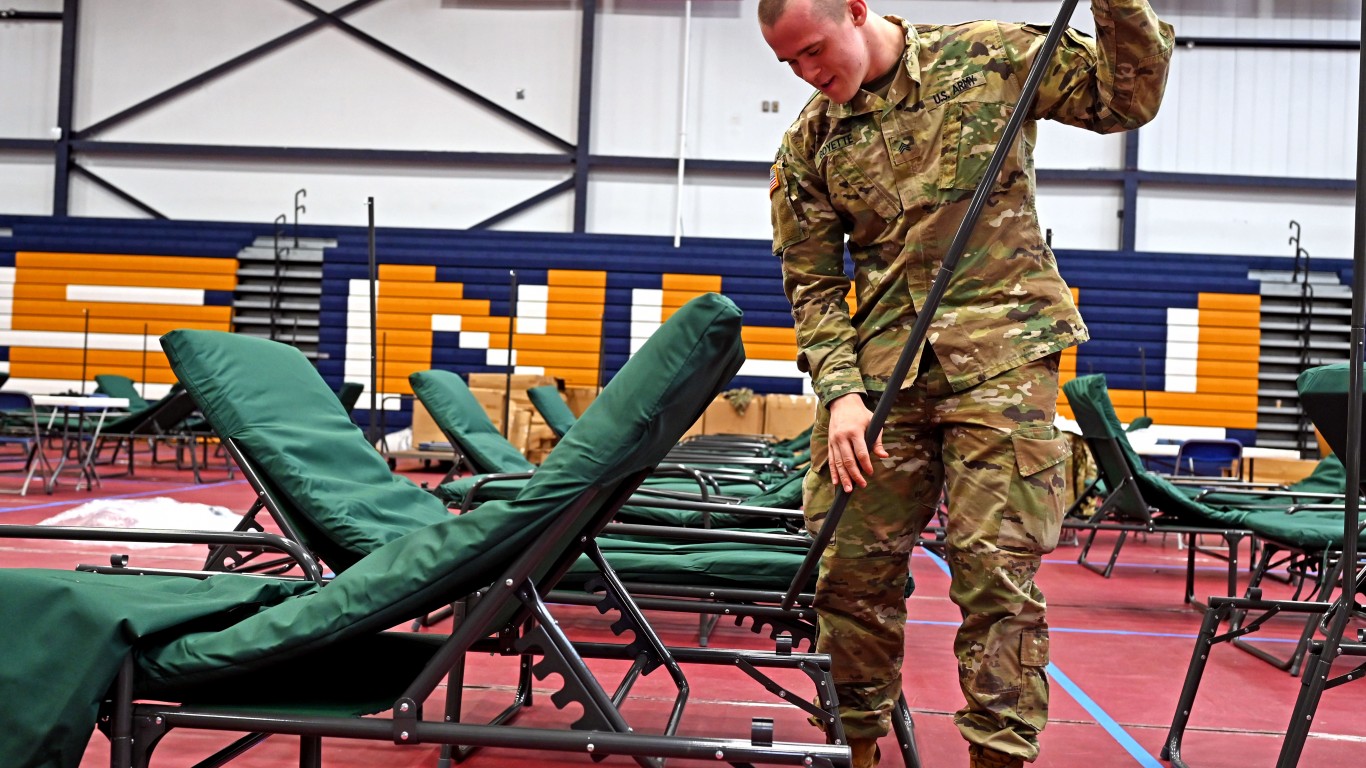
[972, 129]
[1033, 702]
[1037, 496]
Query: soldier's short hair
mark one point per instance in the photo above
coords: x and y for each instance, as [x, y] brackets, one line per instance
[772, 10]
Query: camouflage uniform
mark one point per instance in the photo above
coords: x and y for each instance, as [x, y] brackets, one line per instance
[894, 176]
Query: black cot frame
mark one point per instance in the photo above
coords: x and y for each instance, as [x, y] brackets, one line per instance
[511, 618]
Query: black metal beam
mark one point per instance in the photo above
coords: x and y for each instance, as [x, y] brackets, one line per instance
[582, 160]
[9, 14]
[326, 154]
[432, 74]
[28, 145]
[1285, 44]
[218, 71]
[117, 192]
[1128, 211]
[66, 98]
[530, 202]
[670, 164]
[1230, 180]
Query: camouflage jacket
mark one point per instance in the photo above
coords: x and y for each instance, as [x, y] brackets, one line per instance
[895, 176]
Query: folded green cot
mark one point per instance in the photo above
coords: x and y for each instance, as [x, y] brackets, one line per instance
[242, 653]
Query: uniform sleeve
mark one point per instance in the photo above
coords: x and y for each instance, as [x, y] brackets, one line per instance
[1111, 83]
[809, 239]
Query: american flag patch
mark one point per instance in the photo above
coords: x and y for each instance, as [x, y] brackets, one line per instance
[772, 179]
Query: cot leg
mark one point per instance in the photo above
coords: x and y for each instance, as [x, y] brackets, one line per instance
[310, 752]
[1171, 749]
[121, 725]
[904, 729]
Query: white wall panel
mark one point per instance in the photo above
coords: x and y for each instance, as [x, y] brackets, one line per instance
[408, 197]
[644, 204]
[1317, 19]
[328, 90]
[495, 49]
[1081, 215]
[132, 49]
[27, 183]
[1248, 222]
[30, 65]
[1257, 112]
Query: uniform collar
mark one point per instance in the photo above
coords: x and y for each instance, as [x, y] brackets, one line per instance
[907, 80]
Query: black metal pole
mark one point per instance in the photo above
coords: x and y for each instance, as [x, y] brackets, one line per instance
[85, 346]
[941, 283]
[66, 107]
[512, 329]
[583, 134]
[144, 361]
[1319, 665]
[374, 311]
[602, 353]
[1143, 376]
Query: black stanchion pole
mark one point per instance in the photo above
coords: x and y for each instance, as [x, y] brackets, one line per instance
[512, 329]
[144, 361]
[941, 283]
[85, 347]
[374, 312]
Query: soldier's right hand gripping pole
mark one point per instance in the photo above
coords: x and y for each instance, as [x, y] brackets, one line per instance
[940, 285]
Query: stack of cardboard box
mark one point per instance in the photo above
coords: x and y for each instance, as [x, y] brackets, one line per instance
[529, 432]
[781, 416]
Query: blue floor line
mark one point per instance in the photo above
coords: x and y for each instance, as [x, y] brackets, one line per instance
[1115, 730]
[1102, 718]
[158, 492]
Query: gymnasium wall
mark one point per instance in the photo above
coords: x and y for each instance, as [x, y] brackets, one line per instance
[1174, 333]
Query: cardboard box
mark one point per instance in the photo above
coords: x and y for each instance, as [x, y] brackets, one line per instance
[788, 415]
[425, 429]
[521, 382]
[579, 398]
[721, 418]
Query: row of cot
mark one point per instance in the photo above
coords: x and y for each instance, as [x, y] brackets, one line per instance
[320, 537]
[271, 649]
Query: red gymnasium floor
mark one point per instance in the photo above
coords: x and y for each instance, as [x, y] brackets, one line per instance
[1120, 648]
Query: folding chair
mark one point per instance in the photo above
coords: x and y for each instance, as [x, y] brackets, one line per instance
[263, 656]
[1138, 501]
[1203, 457]
[19, 430]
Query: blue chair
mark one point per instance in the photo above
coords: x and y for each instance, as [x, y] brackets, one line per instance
[1210, 458]
[19, 429]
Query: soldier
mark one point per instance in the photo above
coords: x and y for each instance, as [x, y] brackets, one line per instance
[883, 160]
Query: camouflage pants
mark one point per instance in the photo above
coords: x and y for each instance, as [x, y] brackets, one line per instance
[1003, 463]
